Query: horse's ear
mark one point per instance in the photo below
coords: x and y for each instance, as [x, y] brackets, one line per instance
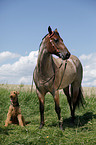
[56, 30]
[49, 30]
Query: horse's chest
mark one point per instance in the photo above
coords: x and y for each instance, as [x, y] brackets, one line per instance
[43, 83]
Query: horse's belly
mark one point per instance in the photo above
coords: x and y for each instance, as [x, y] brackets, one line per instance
[67, 79]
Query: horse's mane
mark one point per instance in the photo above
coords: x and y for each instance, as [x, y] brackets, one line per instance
[42, 41]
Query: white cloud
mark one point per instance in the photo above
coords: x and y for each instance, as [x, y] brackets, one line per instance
[85, 57]
[89, 68]
[6, 56]
[20, 71]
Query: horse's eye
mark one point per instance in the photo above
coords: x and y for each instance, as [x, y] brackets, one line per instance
[56, 40]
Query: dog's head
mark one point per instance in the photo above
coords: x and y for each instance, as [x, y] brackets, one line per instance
[14, 97]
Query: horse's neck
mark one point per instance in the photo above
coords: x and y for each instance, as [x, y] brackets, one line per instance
[44, 63]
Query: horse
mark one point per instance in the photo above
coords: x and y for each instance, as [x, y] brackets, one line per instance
[52, 74]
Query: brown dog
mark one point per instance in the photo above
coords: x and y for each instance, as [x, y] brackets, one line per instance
[14, 113]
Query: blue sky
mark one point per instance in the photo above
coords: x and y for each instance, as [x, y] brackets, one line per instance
[23, 24]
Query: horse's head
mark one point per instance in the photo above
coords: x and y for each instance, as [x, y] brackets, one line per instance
[56, 45]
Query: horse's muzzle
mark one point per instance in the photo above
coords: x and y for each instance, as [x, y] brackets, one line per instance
[64, 57]
[67, 55]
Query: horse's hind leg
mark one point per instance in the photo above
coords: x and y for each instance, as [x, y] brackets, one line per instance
[75, 93]
[66, 91]
[57, 108]
[72, 98]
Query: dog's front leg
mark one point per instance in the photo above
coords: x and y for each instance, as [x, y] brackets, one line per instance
[9, 114]
[20, 119]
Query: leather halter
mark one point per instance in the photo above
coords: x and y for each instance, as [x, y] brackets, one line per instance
[51, 34]
[52, 43]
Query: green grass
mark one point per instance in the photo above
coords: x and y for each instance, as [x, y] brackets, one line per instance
[83, 131]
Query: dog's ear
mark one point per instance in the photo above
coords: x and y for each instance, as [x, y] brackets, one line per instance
[17, 92]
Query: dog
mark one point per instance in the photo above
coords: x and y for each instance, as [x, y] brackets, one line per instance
[14, 113]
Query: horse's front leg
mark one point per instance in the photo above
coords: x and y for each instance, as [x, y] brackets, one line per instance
[57, 108]
[41, 108]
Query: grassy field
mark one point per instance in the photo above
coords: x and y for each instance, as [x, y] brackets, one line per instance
[83, 131]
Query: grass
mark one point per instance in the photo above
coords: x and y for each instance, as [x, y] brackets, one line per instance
[83, 131]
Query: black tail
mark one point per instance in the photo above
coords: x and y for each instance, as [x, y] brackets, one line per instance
[80, 99]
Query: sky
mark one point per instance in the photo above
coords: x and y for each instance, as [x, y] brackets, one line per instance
[23, 24]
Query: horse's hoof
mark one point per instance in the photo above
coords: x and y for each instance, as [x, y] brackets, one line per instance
[73, 118]
[61, 128]
[41, 126]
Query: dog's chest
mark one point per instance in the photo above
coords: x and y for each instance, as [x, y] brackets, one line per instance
[15, 111]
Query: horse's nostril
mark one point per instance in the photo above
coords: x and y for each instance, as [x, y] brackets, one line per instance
[67, 55]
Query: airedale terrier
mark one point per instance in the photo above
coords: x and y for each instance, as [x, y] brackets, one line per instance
[14, 113]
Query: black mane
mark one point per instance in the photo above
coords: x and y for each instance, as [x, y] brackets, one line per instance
[41, 41]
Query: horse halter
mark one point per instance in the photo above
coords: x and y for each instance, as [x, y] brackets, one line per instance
[52, 43]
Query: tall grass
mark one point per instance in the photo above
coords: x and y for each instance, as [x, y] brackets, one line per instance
[83, 131]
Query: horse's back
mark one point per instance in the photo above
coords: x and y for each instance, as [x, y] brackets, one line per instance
[70, 70]
[76, 61]
[73, 63]
[79, 69]
[72, 59]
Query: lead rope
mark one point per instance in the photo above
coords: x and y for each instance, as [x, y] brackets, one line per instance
[62, 75]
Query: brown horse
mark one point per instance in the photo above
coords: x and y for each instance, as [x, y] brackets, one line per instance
[52, 74]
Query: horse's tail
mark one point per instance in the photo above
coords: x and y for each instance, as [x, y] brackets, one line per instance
[80, 99]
